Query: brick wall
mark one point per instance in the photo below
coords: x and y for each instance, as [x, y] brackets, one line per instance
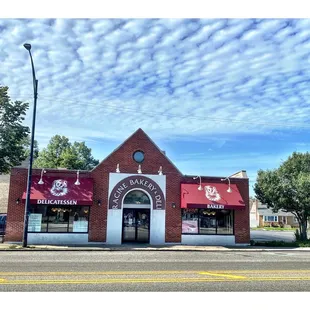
[154, 158]
[242, 218]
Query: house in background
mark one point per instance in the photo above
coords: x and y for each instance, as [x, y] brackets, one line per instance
[262, 216]
[4, 192]
[254, 217]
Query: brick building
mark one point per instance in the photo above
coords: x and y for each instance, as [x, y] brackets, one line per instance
[136, 194]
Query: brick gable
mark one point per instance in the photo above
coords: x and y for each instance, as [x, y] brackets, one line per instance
[154, 158]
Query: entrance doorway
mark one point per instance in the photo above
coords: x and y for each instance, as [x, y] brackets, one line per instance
[136, 225]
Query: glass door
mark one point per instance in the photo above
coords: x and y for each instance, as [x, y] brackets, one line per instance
[143, 225]
[129, 225]
[136, 225]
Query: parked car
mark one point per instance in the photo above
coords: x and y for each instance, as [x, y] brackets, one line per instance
[2, 223]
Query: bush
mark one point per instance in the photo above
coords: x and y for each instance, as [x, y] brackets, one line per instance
[275, 224]
[283, 244]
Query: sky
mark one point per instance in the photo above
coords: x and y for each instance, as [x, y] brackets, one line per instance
[218, 95]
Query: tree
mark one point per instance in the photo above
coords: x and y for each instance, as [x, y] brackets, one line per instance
[26, 144]
[12, 133]
[288, 188]
[60, 153]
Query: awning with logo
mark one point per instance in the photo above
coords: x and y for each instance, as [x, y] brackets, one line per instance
[61, 191]
[212, 196]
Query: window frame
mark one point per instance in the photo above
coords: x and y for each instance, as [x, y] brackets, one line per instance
[60, 232]
[133, 156]
[198, 223]
[275, 218]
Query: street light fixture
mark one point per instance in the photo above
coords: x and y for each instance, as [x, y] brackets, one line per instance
[27, 46]
[199, 187]
[229, 188]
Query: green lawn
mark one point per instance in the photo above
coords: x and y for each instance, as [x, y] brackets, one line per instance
[273, 228]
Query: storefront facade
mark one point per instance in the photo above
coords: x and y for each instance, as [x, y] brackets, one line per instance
[134, 195]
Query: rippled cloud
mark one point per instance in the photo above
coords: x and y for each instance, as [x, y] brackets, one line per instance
[104, 78]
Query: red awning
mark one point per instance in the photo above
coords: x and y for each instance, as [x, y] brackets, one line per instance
[61, 191]
[213, 196]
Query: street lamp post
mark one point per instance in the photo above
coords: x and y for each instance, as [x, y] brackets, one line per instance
[35, 94]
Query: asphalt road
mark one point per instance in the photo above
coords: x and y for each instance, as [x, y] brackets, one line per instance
[154, 271]
[269, 235]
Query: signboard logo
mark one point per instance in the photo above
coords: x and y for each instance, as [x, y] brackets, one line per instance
[59, 188]
[212, 193]
[122, 188]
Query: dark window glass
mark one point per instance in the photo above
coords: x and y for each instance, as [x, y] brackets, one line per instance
[138, 156]
[58, 219]
[207, 222]
[137, 197]
[225, 222]
[62, 219]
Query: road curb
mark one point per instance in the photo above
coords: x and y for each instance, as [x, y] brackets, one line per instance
[151, 250]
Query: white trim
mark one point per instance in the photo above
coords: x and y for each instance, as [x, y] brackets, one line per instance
[136, 206]
[54, 238]
[208, 239]
[115, 216]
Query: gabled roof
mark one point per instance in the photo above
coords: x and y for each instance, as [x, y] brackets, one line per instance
[139, 132]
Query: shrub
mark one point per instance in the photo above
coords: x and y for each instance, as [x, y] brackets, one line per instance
[283, 243]
[275, 224]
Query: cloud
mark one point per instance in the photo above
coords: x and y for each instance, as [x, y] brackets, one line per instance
[104, 78]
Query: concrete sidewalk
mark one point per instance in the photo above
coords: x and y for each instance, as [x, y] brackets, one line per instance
[142, 247]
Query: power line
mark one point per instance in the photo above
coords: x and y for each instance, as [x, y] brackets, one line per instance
[190, 116]
[172, 115]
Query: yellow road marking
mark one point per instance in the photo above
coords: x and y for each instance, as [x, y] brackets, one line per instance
[214, 276]
[222, 275]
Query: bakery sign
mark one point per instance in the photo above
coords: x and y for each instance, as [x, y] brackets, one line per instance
[122, 188]
[210, 206]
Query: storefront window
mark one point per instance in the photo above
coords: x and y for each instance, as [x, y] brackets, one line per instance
[38, 219]
[58, 219]
[190, 221]
[137, 197]
[225, 222]
[78, 220]
[207, 222]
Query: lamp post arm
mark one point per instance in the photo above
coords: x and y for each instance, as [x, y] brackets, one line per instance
[35, 82]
